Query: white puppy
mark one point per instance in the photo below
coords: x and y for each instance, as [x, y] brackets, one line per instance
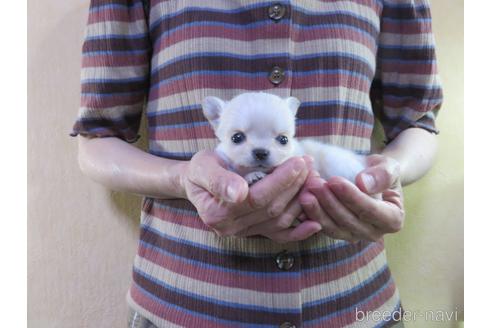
[256, 133]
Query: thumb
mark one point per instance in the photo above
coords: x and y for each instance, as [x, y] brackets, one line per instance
[210, 174]
[378, 178]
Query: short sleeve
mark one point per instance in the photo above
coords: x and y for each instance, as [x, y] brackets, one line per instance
[406, 91]
[115, 70]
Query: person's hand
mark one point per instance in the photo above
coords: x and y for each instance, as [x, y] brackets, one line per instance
[347, 211]
[226, 204]
[285, 209]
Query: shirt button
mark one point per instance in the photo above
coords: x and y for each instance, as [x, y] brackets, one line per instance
[287, 325]
[276, 12]
[277, 75]
[284, 260]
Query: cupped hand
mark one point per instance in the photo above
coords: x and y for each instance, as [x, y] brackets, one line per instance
[226, 204]
[347, 211]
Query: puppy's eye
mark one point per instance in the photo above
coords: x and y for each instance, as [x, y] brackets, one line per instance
[239, 137]
[283, 140]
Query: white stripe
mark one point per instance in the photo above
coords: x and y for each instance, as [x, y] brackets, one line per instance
[409, 40]
[116, 28]
[113, 73]
[110, 112]
[263, 47]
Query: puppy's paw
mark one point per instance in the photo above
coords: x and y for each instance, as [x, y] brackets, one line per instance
[253, 177]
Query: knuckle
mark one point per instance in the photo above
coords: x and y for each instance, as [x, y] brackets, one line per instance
[257, 201]
[275, 210]
[283, 223]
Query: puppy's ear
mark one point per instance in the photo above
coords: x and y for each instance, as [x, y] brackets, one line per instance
[293, 103]
[212, 109]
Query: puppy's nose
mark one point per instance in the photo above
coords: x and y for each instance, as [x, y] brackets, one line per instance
[260, 154]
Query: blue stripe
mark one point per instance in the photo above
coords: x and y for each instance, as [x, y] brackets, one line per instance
[395, 309]
[201, 315]
[401, 47]
[358, 287]
[351, 308]
[216, 301]
[94, 9]
[407, 20]
[159, 112]
[410, 5]
[116, 36]
[114, 52]
[167, 154]
[280, 55]
[427, 99]
[116, 80]
[112, 94]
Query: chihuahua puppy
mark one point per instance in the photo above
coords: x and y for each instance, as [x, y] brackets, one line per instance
[256, 133]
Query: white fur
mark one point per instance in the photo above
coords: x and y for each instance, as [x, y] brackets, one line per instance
[262, 117]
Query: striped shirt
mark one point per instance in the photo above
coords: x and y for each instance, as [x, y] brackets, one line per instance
[348, 61]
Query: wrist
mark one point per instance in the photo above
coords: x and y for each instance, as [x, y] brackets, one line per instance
[176, 177]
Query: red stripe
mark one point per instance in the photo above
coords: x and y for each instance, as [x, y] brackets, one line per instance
[116, 14]
[182, 218]
[406, 27]
[265, 32]
[408, 68]
[172, 314]
[112, 60]
[111, 100]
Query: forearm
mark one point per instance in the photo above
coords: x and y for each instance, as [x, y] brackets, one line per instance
[122, 167]
[415, 149]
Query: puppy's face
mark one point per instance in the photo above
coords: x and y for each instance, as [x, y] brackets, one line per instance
[255, 130]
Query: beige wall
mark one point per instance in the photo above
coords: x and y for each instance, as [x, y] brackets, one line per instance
[82, 237]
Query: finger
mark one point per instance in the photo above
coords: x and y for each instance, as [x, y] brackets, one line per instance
[379, 177]
[314, 211]
[279, 204]
[301, 232]
[384, 215]
[208, 172]
[268, 188]
[282, 222]
[343, 217]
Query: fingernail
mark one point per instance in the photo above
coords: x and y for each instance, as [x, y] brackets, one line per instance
[369, 182]
[231, 193]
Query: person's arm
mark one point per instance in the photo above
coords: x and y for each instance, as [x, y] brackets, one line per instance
[415, 150]
[120, 166]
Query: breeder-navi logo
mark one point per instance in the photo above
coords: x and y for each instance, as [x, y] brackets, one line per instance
[401, 315]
